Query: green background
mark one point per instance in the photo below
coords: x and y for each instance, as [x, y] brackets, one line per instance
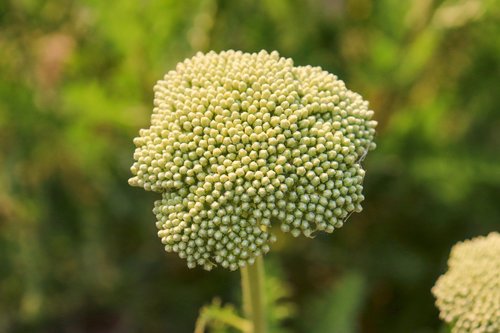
[78, 246]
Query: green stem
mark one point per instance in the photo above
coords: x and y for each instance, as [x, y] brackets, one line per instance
[252, 283]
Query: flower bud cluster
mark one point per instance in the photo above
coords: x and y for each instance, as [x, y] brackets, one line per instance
[468, 295]
[239, 142]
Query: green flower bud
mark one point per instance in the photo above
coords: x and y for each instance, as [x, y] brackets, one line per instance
[240, 140]
[468, 294]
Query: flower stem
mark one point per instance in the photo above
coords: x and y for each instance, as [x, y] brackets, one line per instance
[252, 284]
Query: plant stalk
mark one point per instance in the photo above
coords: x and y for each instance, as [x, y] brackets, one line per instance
[252, 284]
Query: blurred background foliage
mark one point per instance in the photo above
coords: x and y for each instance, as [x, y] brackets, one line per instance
[78, 246]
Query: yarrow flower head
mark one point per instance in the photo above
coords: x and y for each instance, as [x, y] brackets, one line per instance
[239, 142]
[468, 295]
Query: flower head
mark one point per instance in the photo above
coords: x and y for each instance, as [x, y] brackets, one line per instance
[468, 295]
[239, 142]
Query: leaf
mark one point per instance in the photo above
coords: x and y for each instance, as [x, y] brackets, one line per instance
[278, 305]
[338, 309]
[219, 317]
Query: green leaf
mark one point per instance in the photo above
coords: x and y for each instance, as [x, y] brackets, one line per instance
[337, 310]
[278, 293]
[219, 318]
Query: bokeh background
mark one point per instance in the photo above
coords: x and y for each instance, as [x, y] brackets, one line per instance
[78, 246]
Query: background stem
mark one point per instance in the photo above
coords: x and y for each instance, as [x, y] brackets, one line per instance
[252, 284]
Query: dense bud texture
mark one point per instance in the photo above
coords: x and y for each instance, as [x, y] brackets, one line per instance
[468, 295]
[239, 142]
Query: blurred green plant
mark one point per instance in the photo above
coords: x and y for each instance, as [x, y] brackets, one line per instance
[337, 309]
[279, 308]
